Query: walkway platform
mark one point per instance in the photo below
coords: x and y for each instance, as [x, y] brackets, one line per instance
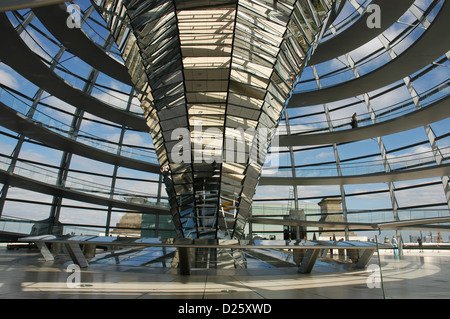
[423, 52]
[358, 33]
[18, 123]
[24, 274]
[54, 18]
[24, 61]
[35, 185]
[434, 112]
[305, 252]
[380, 177]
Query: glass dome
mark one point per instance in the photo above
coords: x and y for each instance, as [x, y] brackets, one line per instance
[91, 93]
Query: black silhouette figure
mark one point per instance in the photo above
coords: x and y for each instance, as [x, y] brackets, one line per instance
[354, 122]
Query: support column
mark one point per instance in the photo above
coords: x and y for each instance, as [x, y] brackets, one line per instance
[292, 157]
[184, 261]
[45, 251]
[308, 261]
[335, 151]
[76, 254]
[89, 250]
[364, 257]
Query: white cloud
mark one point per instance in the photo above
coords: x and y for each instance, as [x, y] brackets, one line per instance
[420, 196]
[417, 155]
[30, 38]
[112, 97]
[324, 155]
[7, 78]
[134, 139]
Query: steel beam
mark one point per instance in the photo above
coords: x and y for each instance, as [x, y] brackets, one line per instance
[9, 5]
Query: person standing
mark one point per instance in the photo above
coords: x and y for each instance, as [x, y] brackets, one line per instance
[419, 241]
[354, 121]
[395, 244]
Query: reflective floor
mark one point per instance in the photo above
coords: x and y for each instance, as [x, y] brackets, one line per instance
[25, 274]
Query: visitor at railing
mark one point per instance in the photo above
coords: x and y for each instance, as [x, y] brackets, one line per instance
[354, 121]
